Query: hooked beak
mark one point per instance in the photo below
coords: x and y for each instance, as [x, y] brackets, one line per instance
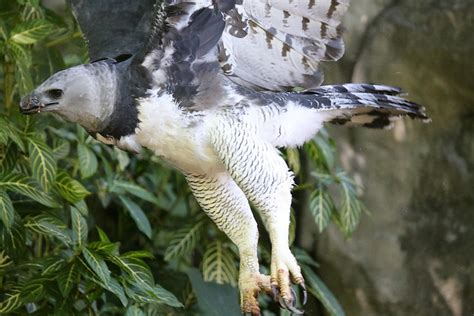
[31, 104]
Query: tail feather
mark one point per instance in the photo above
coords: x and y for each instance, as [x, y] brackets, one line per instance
[359, 87]
[373, 106]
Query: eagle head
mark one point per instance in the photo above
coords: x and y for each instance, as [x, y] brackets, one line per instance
[83, 94]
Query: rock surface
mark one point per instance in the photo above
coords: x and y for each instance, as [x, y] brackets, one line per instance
[414, 255]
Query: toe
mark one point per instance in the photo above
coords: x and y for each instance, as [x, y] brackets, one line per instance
[249, 303]
[250, 287]
[284, 269]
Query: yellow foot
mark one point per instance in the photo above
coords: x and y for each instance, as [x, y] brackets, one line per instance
[285, 268]
[250, 287]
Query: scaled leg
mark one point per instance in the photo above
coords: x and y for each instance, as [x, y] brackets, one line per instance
[225, 203]
[263, 175]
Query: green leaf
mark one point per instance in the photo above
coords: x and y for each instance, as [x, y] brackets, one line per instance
[82, 208]
[121, 186]
[87, 161]
[20, 53]
[136, 269]
[67, 278]
[152, 295]
[98, 265]
[42, 163]
[22, 185]
[61, 148]
[293, 158]
[13, 133]
[304, 258]
[33, 290]
[214, 299]
[326, 148]
[321, 207]
[166, 296]
[30, 32]
[102, 235]
[53, 267]
[134, 311]
[352, 207]
[104, 247]
[321, 151]
[142, 280]
[138, 254]
[317, 287]
[50, 227]
[184, 240]
[218, 265]
[4, 260]
[8, 157]
[7, 213]
[122, 157]
[11, 303]
[3, 137]
[79, 227]
[14, 240]
[23, 77]
[116, 288]
[70, 189]
[137, 215]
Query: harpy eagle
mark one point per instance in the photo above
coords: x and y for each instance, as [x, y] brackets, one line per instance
[208, 85]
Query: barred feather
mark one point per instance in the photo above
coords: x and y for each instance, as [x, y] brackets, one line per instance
[277, 45]
[373, 106]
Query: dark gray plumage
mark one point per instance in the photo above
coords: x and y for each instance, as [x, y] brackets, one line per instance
[124, 25]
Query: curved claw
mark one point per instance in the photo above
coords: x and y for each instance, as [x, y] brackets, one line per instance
[291, 308]
[305, 293]
[294, 310]
[282, 303]
[293, 292]
[275, 292]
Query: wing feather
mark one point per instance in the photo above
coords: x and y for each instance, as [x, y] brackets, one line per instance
[113, 27]
[278, 45]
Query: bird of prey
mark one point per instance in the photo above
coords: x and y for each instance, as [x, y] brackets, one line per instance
[209, 86]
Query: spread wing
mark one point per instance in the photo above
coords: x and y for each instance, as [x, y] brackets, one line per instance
[189, 46]
[113, 27]
[271, 45]
[279, 44]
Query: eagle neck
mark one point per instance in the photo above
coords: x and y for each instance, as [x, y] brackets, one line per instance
[131, 85]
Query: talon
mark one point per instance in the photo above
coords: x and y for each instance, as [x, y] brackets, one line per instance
[282, 303]
[294, 310]
[293, 292]
[301, 284]
[305, 293]
[275, 292]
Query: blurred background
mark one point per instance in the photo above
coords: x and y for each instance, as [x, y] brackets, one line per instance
[414, 254]
[411, 254]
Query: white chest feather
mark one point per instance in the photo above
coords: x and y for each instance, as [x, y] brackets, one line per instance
[179, 138]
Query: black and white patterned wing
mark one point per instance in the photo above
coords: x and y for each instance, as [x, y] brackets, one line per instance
[278, 44]
[113, 27]
[182, 52]
[262, 44]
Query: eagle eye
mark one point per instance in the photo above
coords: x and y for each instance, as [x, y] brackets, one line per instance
[55, 93]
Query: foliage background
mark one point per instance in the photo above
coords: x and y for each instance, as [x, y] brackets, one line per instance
[89, 229]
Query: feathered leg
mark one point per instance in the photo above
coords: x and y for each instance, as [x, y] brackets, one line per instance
[263, 175]
[225, 203]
